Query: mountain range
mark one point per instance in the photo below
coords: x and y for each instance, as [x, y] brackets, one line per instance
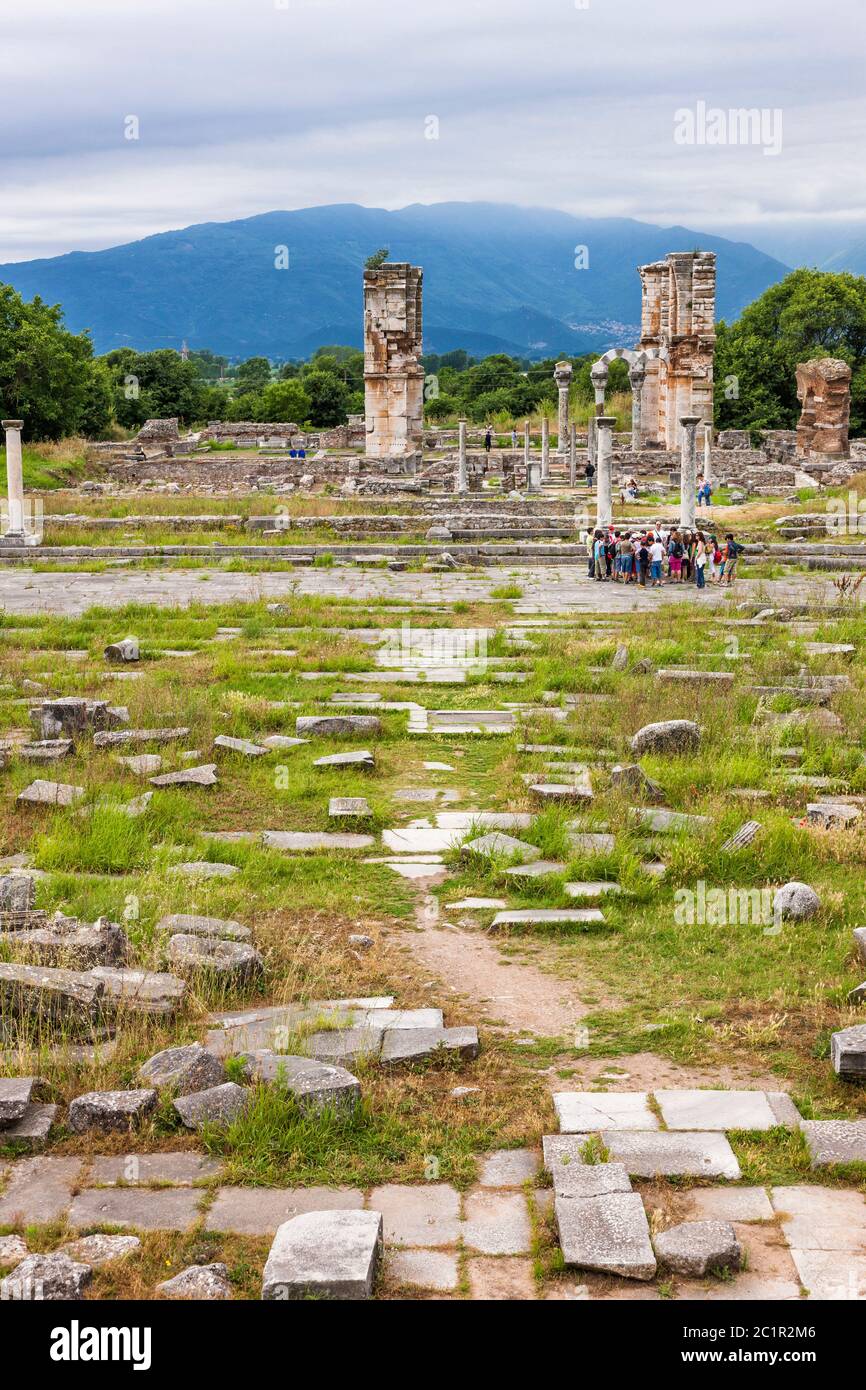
[497, 278]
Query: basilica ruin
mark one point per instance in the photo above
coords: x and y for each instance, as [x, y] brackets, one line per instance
[678, 315]
[824, 391]
[393, 374]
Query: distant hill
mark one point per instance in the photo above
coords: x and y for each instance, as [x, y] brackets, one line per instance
[497, 278]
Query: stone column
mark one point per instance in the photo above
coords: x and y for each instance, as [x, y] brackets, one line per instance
[598, 375]
[688, 469]
[708, 453]
[604, 444]
[14, 480]
[545, 449]
[563, 374]
[637, 376]
[462, 483]
[572, 456]
[527, 444]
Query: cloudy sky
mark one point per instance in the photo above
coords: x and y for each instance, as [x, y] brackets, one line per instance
[243, 106]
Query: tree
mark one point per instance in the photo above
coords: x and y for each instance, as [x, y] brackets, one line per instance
[283, 401]
[48, 376]
[378, 258]
[328, 398]
[253, 375]
[154, 385]
[811, 313]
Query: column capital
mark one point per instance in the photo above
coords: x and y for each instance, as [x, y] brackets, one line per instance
[605, 421]
[12, 424]
[689, 420]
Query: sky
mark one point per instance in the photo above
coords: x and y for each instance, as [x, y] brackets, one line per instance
[593, 106]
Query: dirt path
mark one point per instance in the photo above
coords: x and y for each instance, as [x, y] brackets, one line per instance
[517, 995]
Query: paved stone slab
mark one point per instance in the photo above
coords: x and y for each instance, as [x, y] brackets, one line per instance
[731, 1204]
[821, 1218]
[608, 1233]
[505, 845]
[244, 746]
[360, 757]
[591, 889]
[477, 905]
[505, 1279]
[540, 868]
[260, 1211]
[584, 1112]
[835, 1141]
[548, 916]
[180, 1169]
[424, 1269]
[829, 1276]
[509, 1168]
[420, 839]
[348, 1045]
[39, 1190]
[421, 1216]
[700, 1155]
[167, 1209]
[403, 1046]
[685, 1110]
[497, 1223]
[203, 868]
[42, 793]
[31, 1132]
[204, 776]
[349, 808]
[325, 1254]
[305, 841]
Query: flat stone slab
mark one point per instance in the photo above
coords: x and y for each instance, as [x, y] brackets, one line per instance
[360, 757]
[180, 1169]
[497, 843]
[42, 793]
[477, 905]
[676, 673]
[821, 1218]
[418, 1216]
[593, 889]
[722, 1110]
[16, 1093]
[308, 841]
[349, 808]
[731, 1204]
[539, 868]
[421, 839]
[548, 916]
[145, 764]
[497, 1223]
[39, 1190]
[325, 1254]
[203, 776]
[282, 741]
[166, 1209]
[141, 991]
[260, 1211]
[116, 738]
[31, 1132]
[509, 1168]
[243, 746]
[192, 924]
[573, 1178]
[337, 725]
[662, 821]
[436, 1270]
[584, 1112]
[645, 1155]
[590, 843]
[835, 1141]
[608, 1233]
[203, 868]
[404, 1046]
[349, 1045]
[698, 1248]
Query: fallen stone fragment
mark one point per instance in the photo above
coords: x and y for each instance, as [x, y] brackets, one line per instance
[99, 1250]
[41, 1278]
[697, 1248]
[41, 793]
[116, 738]
[145, 764]
[233, 961]
[405, 1046]
[191, 924]
[309, 840]
[239, 745]
[848, 1053]
[561, 791]
[204, 868]
[315, 1085]
[127, 649]
[338, 725]
[537, 868]
[204, 776]
[182, 1070]
[797, 901]
[17, 892]
[743, 837]
[349, 1045]
[46, 750]
[109, 1111]
[16, 1094]
[282, 741]
[361, 757]
[66, 942]
[635, 782]
[218, 1106]
[585, 1179]
[31, 1132]
[831, 1142]
[684, 676]
[662, 821]
[349, 808]
[548, 916]
[667, 736]
[324, 1254]
[41, 996]
[198, 1282]
[140, 991]
[832, 815]
[505, 845]
[608, 1233]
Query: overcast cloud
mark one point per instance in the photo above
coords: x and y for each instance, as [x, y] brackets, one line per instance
[249, 105]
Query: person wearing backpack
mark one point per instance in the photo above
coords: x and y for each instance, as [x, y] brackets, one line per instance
[733, 551]
[675, 558]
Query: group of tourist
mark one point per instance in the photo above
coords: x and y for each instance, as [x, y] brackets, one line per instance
[658, 555]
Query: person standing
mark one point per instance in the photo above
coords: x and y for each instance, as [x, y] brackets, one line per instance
[675, 558]
[488, 439]
[732, 553]
[590, 472]
[643, 559]
[656, 554]
[700, 560]
[513, 437]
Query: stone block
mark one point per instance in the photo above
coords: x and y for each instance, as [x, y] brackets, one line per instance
[645, 1155]
[182, 1070]
[324, 1254]
[835, 1141]
[217, 1107]
[43, 1278]
[191, 924]
[403, 1046]
[848, 1053]
[608, 1233]
[110, 1111]
[419, 1216]
[697, 1248]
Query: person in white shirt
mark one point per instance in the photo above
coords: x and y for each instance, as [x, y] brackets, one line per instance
[657, 551]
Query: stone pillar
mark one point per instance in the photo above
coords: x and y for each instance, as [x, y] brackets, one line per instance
[563, 374]
[393, 372]
[637, 376]
[708, 453]
[604, 508]
[527, 444]
[14, 480]
[462, 482]
[688, 469]
[572, 456]
[545, 449]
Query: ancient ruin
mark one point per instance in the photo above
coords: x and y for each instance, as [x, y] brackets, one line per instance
[678, 312]
[824, 390]
[393, 374]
